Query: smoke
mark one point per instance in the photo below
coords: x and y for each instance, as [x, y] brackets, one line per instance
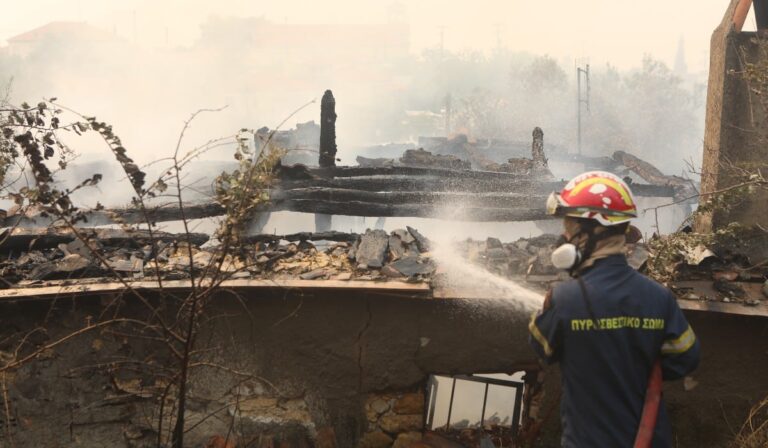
[386, 91]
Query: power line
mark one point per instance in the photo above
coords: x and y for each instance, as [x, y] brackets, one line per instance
[582, 95]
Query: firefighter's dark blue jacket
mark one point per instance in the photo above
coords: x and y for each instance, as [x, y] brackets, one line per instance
[605, 370]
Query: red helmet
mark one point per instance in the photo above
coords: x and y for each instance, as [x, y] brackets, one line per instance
[594, 195]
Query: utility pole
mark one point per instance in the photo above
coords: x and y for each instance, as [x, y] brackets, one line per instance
[582, 97]
[499, 27]
[134, 27]
[442, 42]
[448, 115]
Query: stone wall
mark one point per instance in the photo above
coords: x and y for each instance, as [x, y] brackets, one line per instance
[331, 369]
[394, 419]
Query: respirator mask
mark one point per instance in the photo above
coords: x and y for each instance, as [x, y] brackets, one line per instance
[567, 255]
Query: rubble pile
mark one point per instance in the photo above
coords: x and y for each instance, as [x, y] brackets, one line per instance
[520, 165]
[301, 143]
[422, 158]
[466, 159]
[31, 257]
[699, 268]
[374, 255]
[38, 257]
[529, 257]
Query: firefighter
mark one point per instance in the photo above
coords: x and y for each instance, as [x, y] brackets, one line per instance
[609, 325]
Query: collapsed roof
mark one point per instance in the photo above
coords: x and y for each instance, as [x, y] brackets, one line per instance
[31, 259]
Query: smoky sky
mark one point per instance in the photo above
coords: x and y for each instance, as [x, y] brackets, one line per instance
[619, 31]
[153, 63]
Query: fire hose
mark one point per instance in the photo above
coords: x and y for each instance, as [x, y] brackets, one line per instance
[650, 408]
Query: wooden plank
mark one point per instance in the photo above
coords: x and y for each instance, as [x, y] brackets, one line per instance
[491, 200]
[302, 236]
[458, 184]
[360, 171]
[24, 239]
[42, 292]
[125, 215]
[449, 211]
[711, 299]
[722, 307]
[413, 183]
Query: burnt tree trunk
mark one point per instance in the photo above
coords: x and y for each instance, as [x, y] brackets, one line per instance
[323, 223]
[327, 130]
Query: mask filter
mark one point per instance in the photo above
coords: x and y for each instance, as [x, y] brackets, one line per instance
[565, 257]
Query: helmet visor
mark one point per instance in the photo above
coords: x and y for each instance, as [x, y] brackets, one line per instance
[552, 204]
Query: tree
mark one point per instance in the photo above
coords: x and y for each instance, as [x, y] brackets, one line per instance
[32, 136]
[648, 112]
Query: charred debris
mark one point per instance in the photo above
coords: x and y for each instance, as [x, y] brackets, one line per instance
[46, 257]
[457, 179]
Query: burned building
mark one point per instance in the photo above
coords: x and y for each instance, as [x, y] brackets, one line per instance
[322, 340]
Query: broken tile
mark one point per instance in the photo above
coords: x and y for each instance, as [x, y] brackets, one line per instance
[421, 241]
[389, 271]
[411, 266]
[493, 243]
[342, 276]
[404, 236]
[312, 275]
[727, 276]
[372, 248]
[728, 289]
[69, 266]
[397, 249]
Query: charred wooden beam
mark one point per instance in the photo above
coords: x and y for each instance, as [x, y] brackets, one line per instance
[24, 239]
[399, 195]
[351, 208]
[361, 171]
[492, 184]
[601, 163]
[172, 213]
[121, 215]
[648, 172]
[303, 236]
[493, 200]
[412, 183]
[683, 187]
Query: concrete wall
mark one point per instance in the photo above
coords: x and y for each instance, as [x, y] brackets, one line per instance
[736, 133]
[319, 369]
[299, 368]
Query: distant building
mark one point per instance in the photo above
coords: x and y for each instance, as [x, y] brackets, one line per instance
[62, 33]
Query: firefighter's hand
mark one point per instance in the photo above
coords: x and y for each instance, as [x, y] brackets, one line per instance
[547, 300]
